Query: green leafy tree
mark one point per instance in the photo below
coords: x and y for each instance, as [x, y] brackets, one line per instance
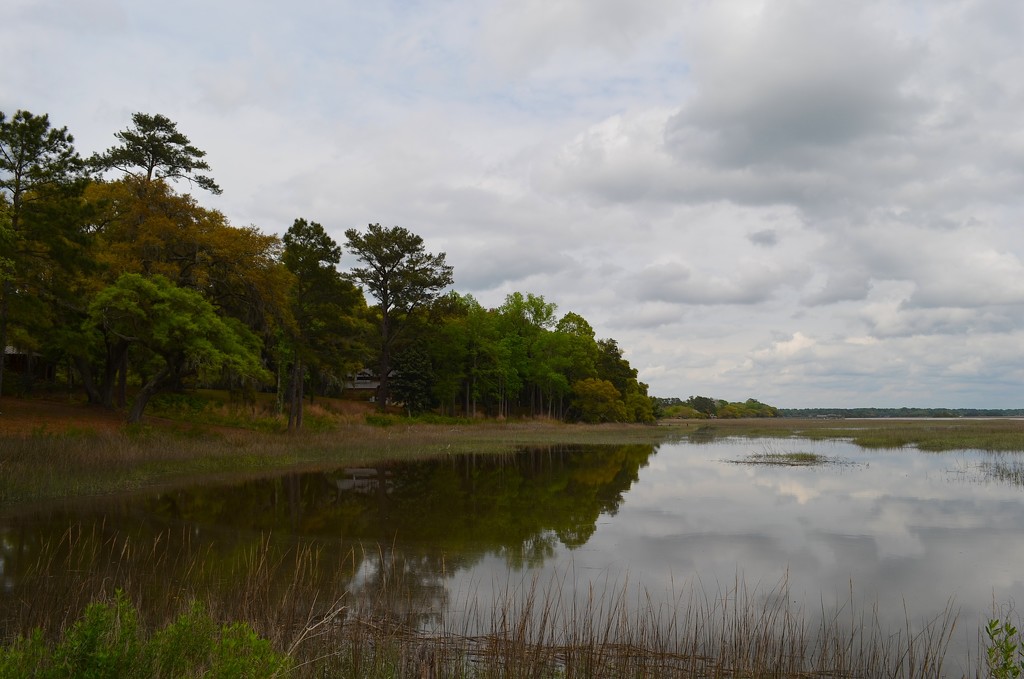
[581, 346]
[524, 323]
[639, 406]
[442, 334]
[612, 366]
[748, 408]
[703, 404]
[152, 150]
[413, 385]
[327, 310]
[598, 401]
[470, 360]
[177, 330]
[571, 356]
[39, 170]
[402, 276]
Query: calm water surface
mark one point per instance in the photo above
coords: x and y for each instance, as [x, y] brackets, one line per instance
[905, 531]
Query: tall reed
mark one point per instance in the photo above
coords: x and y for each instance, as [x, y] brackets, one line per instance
[371, 613]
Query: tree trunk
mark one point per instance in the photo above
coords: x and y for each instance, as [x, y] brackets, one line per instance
[301, 387]
[5, 309]
[122, 380]
[295, 397]
[382, 387]
[115, 353]
[28, 378]
[147, 391]
[279, 395]
[385, 359]
[85, 372]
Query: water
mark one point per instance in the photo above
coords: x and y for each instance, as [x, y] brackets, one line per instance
[900, 532]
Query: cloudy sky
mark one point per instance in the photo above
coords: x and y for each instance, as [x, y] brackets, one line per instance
[808, 202]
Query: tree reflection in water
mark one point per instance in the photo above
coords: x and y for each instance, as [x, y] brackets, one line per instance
[384, 538]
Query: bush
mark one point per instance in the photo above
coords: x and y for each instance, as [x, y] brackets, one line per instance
[243, 653]
[184, 645]
[1003, 653]
[103, 643]
[107, 642]
[26, 657]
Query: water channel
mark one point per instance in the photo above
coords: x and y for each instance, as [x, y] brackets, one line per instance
[902, 533]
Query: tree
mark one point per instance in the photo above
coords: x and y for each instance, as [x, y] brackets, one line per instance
[703, 404]
[598, 401]
[579, 349]
[639, 406]
[413, 385]
[152, 153]
[464, 344]
[38, 164]
[612, 366]
[153, 150]
[160, 232]
[326, 308]
[402, 276]
[525, 322]
[178, 331]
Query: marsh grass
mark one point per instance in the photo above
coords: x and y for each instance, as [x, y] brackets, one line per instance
[308, 605]
[775, 455]
[992, 434]
[1008, 471]
[794, 459]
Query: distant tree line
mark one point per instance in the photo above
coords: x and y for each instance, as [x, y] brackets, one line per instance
[899, 412]
[702, 407]
[134, 289]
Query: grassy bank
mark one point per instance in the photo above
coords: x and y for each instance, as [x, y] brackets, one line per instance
[46, 458]
[51, 451]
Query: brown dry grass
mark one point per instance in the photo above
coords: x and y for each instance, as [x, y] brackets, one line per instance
[59, 415]
[22, 416]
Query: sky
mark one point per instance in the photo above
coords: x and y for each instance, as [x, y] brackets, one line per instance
[814, 203]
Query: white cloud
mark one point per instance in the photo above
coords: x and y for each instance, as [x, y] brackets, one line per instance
[798, 201]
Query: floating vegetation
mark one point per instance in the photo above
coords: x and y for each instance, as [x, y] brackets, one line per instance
[770, 455]
[786, 459]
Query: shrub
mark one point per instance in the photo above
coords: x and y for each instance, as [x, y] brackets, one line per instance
[243, 653]
[1003, 653]
[103, 643]
[26, 657]
[108, 642]
[186, 644]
